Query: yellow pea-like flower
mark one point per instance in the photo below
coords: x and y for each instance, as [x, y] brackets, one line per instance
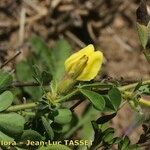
[85, 64]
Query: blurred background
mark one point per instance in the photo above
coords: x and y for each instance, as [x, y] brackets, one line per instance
[108, 24]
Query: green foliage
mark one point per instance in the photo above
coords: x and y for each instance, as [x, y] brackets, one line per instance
[86, 134]
[124, 144]
[42, 77]
[31, 135]
[24, 72]
[60, 52]
[143, 28]
[106, 139]
[48, 128]
[4, 137]
[40, 111]
[53, 58]
[12, 123]
[63, 116]
[103, 138]
[6, 99]
[143, 23]
[43, 64]
[109, 106]
[42, 51]
[115, 97]
[95, 98]
[5, 80]
[143, 34]
[145, 89]
[55, 147]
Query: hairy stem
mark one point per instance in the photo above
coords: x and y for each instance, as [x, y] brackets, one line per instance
[22, 107]
[34, 105]
[131, 86]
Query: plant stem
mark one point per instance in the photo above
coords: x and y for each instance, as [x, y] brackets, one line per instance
[131, 86]
[22, 107]
[27, 113]
[97, 84]
[34, 105]
[68, 96]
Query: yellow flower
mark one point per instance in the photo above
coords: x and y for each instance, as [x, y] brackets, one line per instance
[85, 64]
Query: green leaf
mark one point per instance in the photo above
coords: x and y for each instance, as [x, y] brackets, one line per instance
[24, 72]
[96, 85]
[134, 147]
[96, 99]
[143, 34]
[95, 126]
[124, 144]
[4, 137]
[115, 97]
[108, 135]
[55, 147]
[138, 86]
[145, 89]
[87, 133]
[5, 80]
[64, 116]
[105, 118]
[42, 77]
[31, 135]
[48, 128]
[6, 99]
[42, 51]
[65, 128]
[61, 52]
[57, 128]
[108, 106]
[89, 115]
[46, 77]
[53, 58]
[116, 140]
[12, 123]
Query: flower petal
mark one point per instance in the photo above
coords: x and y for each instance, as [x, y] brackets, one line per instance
[93, 66]
[70, 63]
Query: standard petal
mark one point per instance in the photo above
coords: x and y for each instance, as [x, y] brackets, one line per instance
[93, 66]
[74, 58]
